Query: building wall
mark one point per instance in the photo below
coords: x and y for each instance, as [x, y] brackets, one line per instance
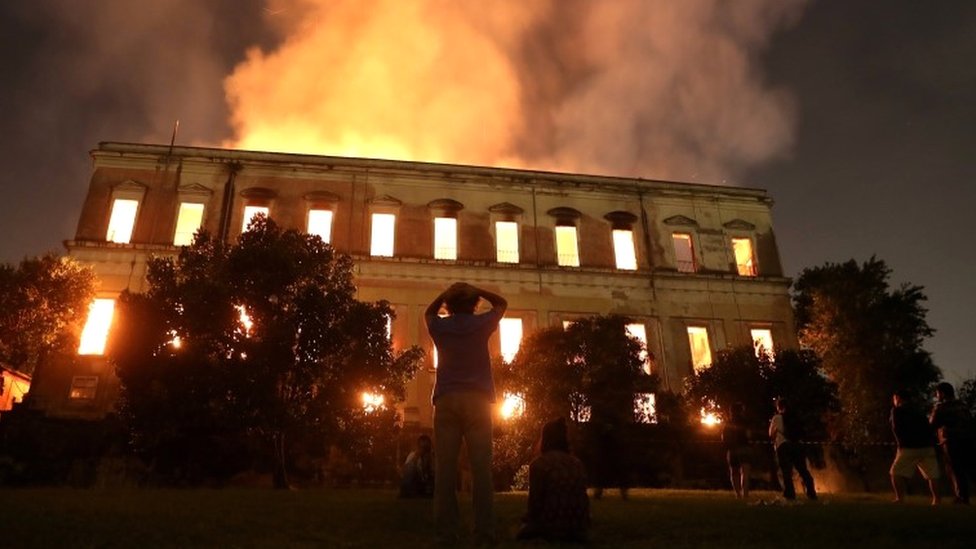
[539, 291]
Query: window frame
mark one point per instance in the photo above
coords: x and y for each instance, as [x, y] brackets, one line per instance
[692, 249]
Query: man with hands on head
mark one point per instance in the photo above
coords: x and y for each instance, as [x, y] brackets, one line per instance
[464, 393]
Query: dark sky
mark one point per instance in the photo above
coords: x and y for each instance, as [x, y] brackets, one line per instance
[883, 161]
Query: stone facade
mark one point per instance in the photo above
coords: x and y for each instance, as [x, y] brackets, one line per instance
[666, 292]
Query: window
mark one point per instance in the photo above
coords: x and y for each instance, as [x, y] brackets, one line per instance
[122, 220]
[95, 333]
[701, 352]
[83, 387]
[762, 341]
[320, 224]
[445, 238]
[250, 212]
[567, 246]
[188, 220]
[684, 252]
[381, 238]
[645, 408]
[639, 332]
[506, 241]
[510, 332]
[744, 262]
[623, 249]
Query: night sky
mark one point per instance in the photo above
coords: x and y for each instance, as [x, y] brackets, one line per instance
[882, 160]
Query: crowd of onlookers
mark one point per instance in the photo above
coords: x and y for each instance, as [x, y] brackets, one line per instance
[558, 506]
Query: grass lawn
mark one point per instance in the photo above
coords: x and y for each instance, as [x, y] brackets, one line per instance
[374, 518]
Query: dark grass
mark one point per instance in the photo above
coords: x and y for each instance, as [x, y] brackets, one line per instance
[374, 518]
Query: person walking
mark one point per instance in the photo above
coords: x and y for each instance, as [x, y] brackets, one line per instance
[789, 454]
[463, 395]
[738, 454]
[954, 426]
[915, 447]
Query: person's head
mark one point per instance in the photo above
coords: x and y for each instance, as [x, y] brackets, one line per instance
[554, 436]
[781, 405]
[944, 392]
[900, 397]
[461, 299]
[424, 444]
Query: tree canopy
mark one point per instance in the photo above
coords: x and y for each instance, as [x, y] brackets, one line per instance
[591, 371]
[235, 350]
[869, 337]
[740, 376]
[43, 303]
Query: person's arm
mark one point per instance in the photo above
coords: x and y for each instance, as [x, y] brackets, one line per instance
[435, 306]
[773, 427]
[498, 303]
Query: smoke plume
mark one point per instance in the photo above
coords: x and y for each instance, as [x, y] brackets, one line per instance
[650, 88]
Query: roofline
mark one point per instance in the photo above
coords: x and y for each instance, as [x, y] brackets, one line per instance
[214, 154]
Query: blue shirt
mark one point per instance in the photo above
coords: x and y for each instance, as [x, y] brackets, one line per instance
[463, 363]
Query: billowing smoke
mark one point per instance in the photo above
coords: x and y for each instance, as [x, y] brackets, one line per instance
[652, 88]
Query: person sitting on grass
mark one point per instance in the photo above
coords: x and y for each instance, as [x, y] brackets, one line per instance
[418, 472]
[559, 509]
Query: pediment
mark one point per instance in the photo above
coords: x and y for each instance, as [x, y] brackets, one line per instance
[680, 220]
[258, 193]
[322, 197]
[739, 225]
[385, 200]
[564, 213]
[621, 219]
[194, 189]
[506, 208]
[445, 206]
[130, 185]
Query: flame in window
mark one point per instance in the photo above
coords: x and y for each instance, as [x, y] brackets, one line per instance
[445, 238]
[506, 241]
[372, 401]
[567, 247]
[381, 238]
[701, 351]
[623, 249]
[513, 406]
[320, 223]
[95, 333]
[250, 212]
[510, 333]
[188, 221]
[122, 220]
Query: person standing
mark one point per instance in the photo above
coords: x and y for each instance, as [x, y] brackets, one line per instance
[915, 448]
[738, 454]
[463, 395]
[789, 453]
[954, 426]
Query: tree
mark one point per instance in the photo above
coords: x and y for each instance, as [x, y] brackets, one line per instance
[869, 338]
[235, 351]
[740, 376]
[43, 303]
[592, 371]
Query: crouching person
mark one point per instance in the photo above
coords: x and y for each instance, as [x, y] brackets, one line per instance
[559, 509]
[417, 478]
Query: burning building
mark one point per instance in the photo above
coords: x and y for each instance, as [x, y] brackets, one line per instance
[694, 266]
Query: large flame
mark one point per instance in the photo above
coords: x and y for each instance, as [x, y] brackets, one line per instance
[658, 89]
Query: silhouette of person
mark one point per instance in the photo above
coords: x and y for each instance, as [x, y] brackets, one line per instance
[915, 447]
[417, 479]
[789, 454]
[738, 454]
[954, 426]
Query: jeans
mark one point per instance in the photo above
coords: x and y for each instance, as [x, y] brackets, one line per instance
[463, 416]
